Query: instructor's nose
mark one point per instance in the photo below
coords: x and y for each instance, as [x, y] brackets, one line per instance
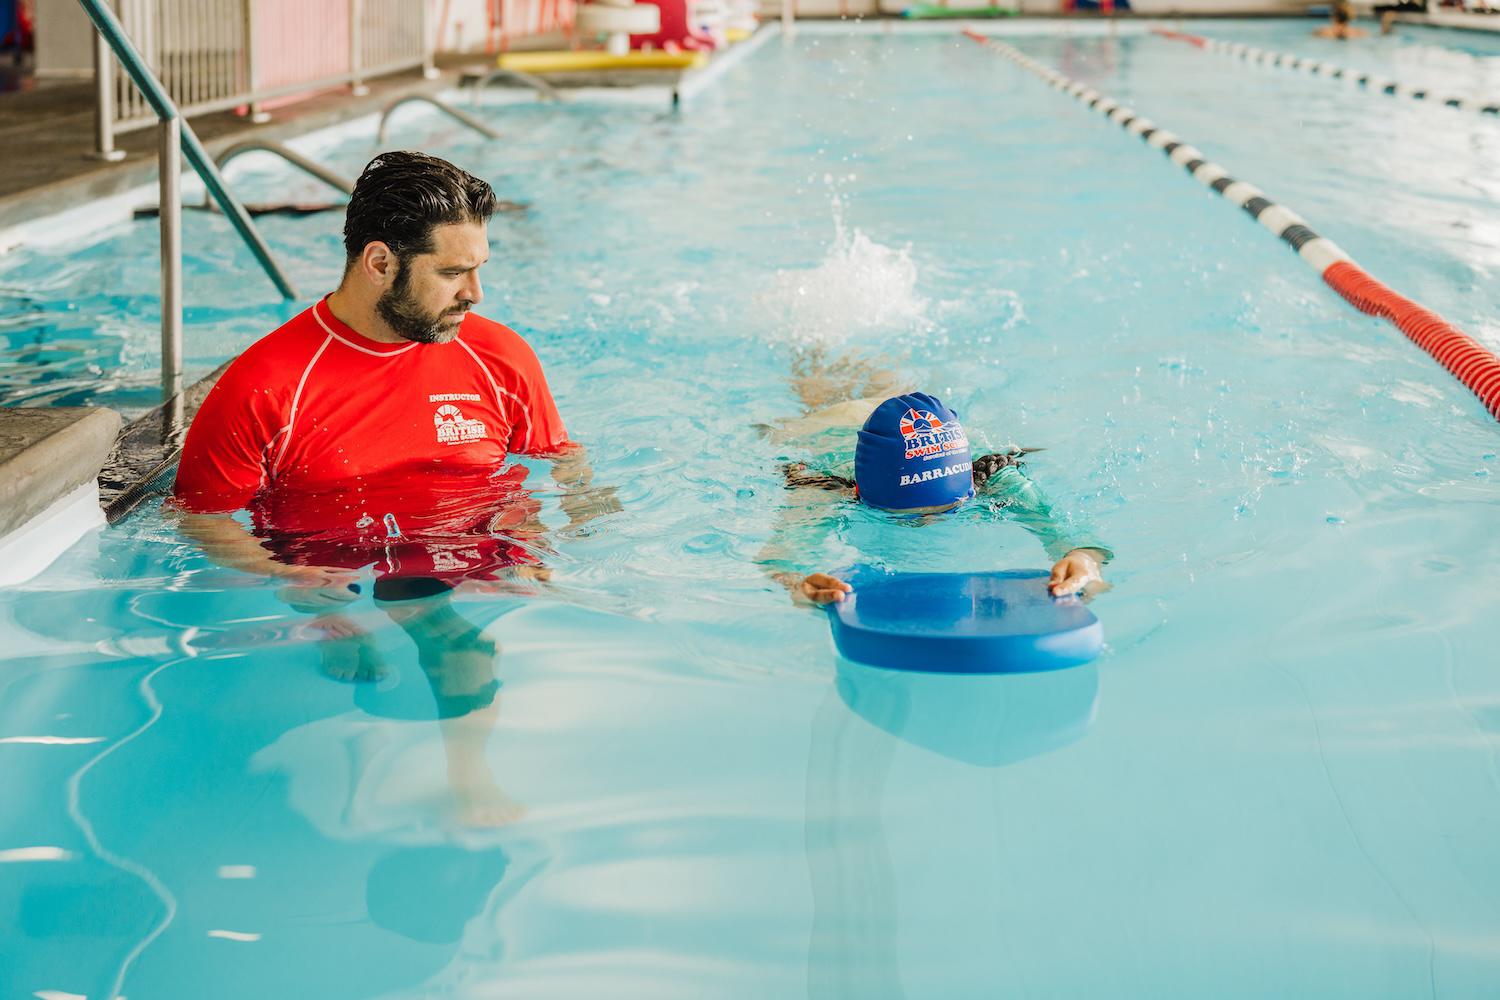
[473, 292]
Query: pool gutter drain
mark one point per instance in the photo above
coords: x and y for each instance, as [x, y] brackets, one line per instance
[1469, 361]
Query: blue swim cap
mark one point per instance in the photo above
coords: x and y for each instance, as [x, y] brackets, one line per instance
[912, 452]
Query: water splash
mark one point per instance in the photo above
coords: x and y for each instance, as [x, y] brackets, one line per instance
[860, 285]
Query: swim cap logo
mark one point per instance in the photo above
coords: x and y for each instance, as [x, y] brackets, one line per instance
[928, 437]
[941, 472]
[454, 428]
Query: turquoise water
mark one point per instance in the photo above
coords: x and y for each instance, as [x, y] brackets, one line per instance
[1281, 778]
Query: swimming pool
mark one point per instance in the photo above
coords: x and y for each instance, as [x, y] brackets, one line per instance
[1280, 780]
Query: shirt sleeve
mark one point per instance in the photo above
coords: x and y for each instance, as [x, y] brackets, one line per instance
[536, 426]
[223, 458]
[1024, 502]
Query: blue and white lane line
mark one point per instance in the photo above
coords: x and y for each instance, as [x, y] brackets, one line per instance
[1317, 67]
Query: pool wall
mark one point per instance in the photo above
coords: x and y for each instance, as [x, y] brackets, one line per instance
[49, 495]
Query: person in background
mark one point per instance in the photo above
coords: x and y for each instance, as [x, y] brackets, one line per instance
[1340, 23]
[1387, 12]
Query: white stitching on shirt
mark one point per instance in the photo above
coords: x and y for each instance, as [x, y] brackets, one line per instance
[498, 390]
[349, 343]
[296, 398]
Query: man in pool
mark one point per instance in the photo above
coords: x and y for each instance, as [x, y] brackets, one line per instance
[374, 429]
[384, 414]
[912, 460]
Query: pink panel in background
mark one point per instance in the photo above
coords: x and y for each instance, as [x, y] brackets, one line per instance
[299, 41]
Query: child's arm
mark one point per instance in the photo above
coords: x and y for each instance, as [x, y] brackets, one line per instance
[801, 527]
[1077, 554]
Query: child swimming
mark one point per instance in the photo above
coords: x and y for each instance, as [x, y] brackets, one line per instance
[912, 460]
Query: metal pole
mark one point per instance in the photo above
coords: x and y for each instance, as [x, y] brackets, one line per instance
[449, 110]
[104, 104]
[169, 167]
[247, 11]
[296, 159]
[429, 45]
[356, 46]
[109, 27]
[787, 14]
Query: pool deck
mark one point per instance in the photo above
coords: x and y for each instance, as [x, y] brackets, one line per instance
[48, 452]
[48, 136]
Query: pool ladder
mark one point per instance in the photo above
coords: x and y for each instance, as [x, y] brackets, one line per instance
[447, 109]
[176, 138]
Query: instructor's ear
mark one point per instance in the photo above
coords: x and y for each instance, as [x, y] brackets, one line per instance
[378, 263]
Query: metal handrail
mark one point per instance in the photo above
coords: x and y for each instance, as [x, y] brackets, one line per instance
[296, 159]
[176, 139]
[212, 54]
[447, 109]
[529, 79]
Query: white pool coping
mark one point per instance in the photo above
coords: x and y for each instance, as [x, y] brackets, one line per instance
[998, 27]
[1461, 20]
[35, 545]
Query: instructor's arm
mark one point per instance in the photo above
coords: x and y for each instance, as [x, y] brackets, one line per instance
[221, 470]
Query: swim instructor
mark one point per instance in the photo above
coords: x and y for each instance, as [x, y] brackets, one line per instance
[387, 409]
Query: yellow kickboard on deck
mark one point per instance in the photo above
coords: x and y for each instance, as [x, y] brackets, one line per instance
[575, 62]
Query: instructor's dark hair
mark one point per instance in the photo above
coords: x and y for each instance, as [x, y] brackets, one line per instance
[402, 195]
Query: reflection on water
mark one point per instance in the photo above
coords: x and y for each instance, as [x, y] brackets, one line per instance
[362, 772]
[984, 720]
[255, 832]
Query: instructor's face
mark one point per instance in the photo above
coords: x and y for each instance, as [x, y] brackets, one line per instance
[431, 292]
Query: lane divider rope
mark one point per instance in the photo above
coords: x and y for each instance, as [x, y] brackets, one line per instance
[1369, 81]
[1469, 361]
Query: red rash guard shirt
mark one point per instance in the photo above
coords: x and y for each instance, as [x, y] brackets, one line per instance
[326, 430]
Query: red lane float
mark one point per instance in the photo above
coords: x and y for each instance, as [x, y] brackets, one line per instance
[1181, 36]
[1470, 361]
[1464, 357]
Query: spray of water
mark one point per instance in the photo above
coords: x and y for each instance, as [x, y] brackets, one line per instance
[860, 285]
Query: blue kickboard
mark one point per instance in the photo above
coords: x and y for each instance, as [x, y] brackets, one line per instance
[962, 623]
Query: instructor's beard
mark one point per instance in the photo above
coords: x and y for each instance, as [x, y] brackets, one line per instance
[405, 315]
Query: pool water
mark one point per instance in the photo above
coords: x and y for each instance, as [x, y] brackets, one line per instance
[1280, 779]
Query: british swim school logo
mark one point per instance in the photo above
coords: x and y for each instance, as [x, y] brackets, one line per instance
[941, 472]
[454, 428]
[927, 437]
